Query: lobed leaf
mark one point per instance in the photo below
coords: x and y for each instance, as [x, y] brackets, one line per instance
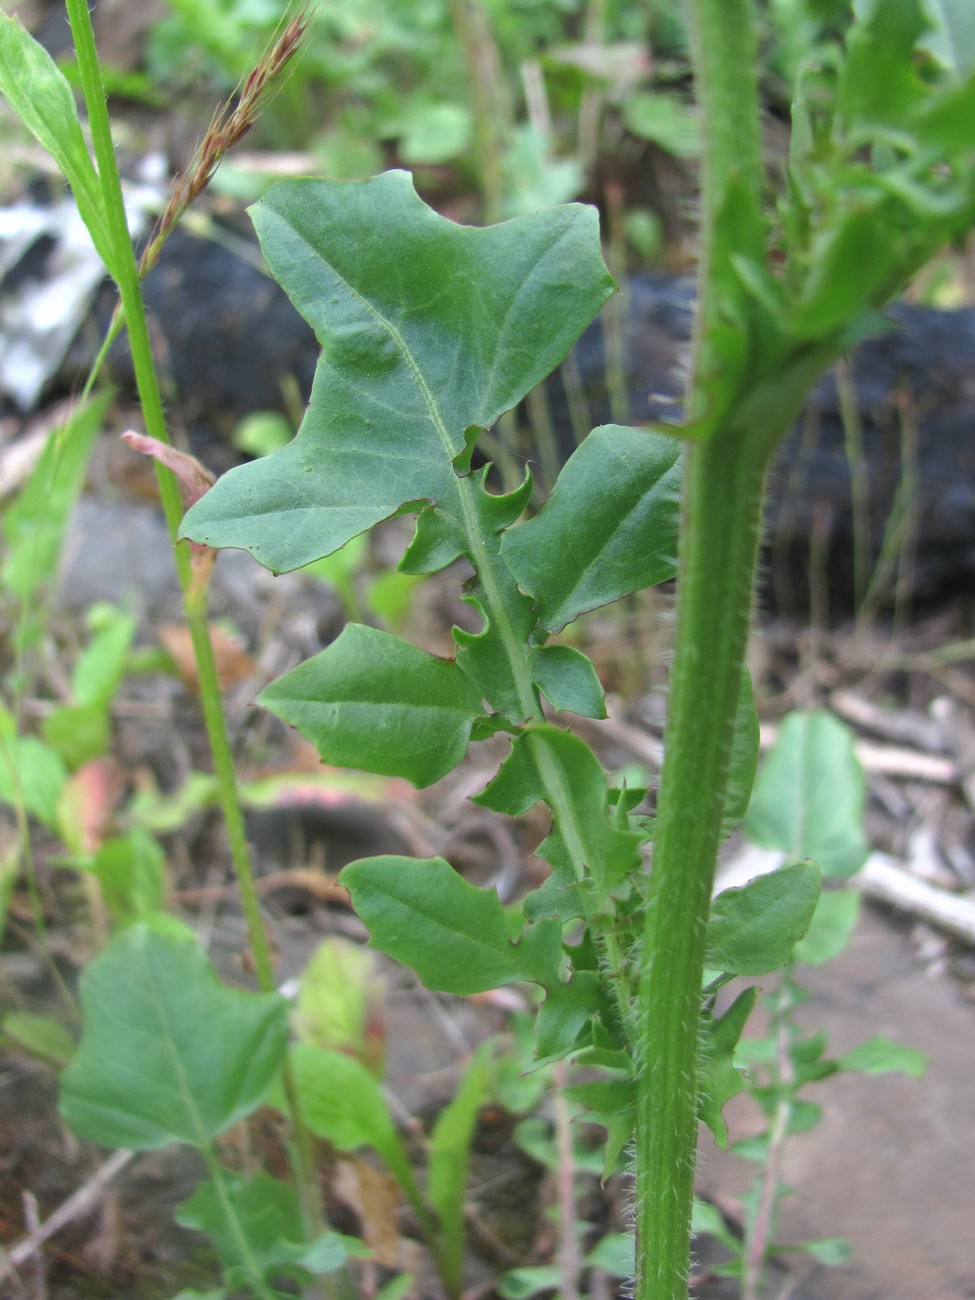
[553, 767]
[380, 704]
[612, 1103]
[169, 1053]
[719, 1078]
[454, 935]
[568, 680]
[428, 329]
[566, 1011]
[608, 528]
[753, 930]
[880, 85]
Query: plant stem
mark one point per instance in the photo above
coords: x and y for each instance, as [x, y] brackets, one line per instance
[760, 1233]
[126, 273]
[569, 1262]
[723, 490]
[489, 106]
[237, 1230]
[723, 484]
[124, 269]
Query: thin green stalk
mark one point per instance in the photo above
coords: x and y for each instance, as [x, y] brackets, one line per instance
[560, 799]
[723, 484]
[760, 1232]
[593, 95]
[261, 1289]
[489, 107]
[859, 481]
[126, 273]
[124, 269]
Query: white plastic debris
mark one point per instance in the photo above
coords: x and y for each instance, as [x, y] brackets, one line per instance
[42, 306]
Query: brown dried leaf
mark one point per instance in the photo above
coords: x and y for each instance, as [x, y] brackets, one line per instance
[89, 801]
[234, 664]
[374, 1197]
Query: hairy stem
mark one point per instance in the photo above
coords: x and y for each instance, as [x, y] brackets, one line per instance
[723, 484]
[720, 537]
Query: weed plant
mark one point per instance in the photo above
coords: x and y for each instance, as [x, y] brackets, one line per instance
[430, 332]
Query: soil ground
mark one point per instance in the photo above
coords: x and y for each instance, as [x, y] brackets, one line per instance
[891, 1166]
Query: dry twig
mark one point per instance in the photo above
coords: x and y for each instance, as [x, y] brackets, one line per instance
[883, 879]
[80, 1203]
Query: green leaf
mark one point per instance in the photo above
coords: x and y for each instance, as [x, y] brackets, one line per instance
[573, 780]
[434, 133]
[879, 83]
[78, 732]
[131, 871]
[665, 120]
[567, 1009]
[880, 1055]
[953, 39]
[32, 774]
[849, 270]
[719, 1078]
[520, 1283]
[40, 1036]
[397, 1289]
[165, 813]
[454, 935]
[568, 680]
[40, 96]
[831, 927]
[450, 1148]
[707, 1218]
[34, 525]
[614, 1254]
[427, 329]
[378, 703]
[506, 612]
[608, 528]
[612, 1103]
[169, 1053]
[745, 746]
[255, 1226]
[808, 800]
[754, 929]
[831, 1252]
[343, 1102]
[101, 665]
[340, 1002]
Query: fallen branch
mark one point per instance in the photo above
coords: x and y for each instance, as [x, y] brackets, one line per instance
[80, 1203]
[883, 880]
[893, 760]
